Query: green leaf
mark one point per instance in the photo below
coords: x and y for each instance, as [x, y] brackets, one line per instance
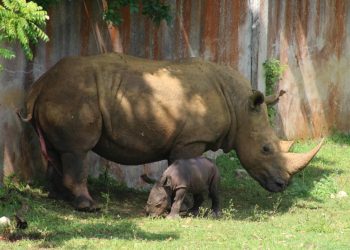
[23, 22]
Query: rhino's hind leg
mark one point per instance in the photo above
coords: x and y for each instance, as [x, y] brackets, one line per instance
[72, 126]
[75, 173]
[54, 175]
[55, 183]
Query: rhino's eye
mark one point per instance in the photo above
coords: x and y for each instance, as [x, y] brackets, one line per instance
[267, 149]
[159, 205]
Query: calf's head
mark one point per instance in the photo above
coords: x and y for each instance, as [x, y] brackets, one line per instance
[259, 149]
[159, 199]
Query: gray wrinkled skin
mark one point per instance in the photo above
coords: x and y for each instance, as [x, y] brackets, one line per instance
[193, 176]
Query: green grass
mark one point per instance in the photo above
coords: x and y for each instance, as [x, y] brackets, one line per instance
[303, 217]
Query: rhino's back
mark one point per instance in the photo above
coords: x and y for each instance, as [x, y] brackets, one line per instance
[146, 106]
[196, 174]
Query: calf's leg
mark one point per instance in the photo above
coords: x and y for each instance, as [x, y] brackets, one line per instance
[214, 196]
[176, 206]
[197, 202]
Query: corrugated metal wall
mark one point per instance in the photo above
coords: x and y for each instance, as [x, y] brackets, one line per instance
[310, 37]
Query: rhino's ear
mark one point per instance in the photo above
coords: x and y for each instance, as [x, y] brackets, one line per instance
[256, 99]
[165, 181]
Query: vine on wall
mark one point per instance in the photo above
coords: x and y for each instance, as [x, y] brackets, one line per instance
[273, 70]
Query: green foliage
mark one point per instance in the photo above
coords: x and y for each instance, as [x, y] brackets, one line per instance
[273, 70]
[156, 10]
[23, 22]
[227, 164]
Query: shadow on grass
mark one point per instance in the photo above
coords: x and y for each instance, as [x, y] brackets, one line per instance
[120, 229]
[61, 231]
[308, 189]
[55, 222]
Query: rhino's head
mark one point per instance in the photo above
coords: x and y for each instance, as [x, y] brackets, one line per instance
[159, 199]
[260, 151]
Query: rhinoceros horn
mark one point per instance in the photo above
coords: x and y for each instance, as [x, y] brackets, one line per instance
[285, 145]
[296, 162]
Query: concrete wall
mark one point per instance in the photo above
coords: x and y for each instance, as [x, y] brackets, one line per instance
[310, 37]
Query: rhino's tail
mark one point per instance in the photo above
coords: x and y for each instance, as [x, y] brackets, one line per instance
[31, 100]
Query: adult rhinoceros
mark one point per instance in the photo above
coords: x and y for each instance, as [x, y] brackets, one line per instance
[133, 111]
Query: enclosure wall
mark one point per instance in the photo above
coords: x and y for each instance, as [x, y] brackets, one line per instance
[309, 37]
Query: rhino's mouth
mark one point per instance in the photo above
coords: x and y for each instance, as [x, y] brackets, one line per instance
[272, 184]
[277, 185]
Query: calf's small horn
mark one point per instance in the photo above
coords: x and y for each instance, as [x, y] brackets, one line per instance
[296, 162]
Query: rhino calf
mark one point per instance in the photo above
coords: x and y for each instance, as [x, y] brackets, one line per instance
[195, 176]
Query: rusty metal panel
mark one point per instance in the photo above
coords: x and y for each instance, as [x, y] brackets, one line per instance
[312, 39]
[219, 31]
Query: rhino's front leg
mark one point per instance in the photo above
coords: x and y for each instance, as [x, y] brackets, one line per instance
[176, 206]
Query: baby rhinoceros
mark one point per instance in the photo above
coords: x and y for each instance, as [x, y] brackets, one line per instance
[195, 176]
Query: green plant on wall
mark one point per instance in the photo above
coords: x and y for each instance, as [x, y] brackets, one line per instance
[22, 22]
[273, 70]
[156, 10]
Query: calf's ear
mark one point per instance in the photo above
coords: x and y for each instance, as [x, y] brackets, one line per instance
[165, 181]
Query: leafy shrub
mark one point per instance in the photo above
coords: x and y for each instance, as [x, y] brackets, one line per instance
[156, 10]
[227, 164]
[23, 22]
[273, 70]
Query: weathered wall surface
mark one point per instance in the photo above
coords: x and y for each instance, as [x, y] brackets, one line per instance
[309, 36]
[312, 38]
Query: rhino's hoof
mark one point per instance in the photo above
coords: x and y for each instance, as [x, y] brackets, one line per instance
[84, 204]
